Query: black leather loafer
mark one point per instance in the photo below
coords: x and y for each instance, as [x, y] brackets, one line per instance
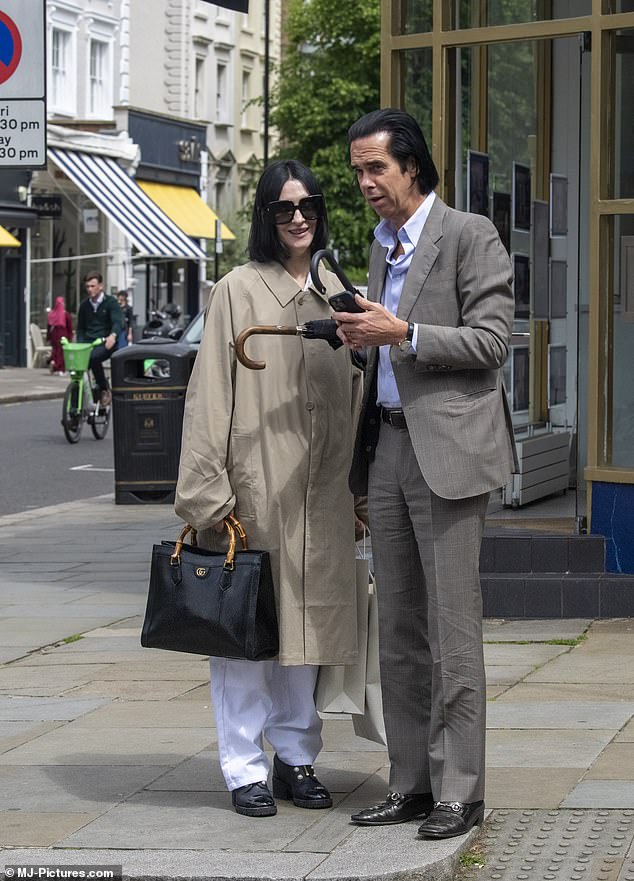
[452, 818]
[396, 808]
[297, 783]
[253, 800]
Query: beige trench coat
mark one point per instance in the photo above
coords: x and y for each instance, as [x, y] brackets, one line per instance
[276, 445]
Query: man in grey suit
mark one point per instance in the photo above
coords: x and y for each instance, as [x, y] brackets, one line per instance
[434, 439]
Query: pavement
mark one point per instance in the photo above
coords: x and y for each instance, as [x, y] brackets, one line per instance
[19, 384]
[108, 750]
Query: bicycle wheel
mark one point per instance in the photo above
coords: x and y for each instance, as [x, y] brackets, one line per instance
[72, 421]
[100, 420]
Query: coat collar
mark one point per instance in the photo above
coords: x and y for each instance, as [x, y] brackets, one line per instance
[282, 285]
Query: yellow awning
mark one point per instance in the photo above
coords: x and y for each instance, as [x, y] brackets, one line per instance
[185, 207]
[7, 240]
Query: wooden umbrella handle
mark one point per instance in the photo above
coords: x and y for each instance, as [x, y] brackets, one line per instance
[243, 336]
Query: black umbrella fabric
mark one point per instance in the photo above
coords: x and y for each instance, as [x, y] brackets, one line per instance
[236, 5]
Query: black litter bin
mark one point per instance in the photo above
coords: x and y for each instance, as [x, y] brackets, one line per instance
[148, 397]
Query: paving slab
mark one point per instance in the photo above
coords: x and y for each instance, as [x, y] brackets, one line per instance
[143, 690]
[188, 820]
[609, 794]
[33, 632]
[591, 667]
[189, 865]
[616, 762]
[567, 715]
[49, 679]
[556, 691]
[124, 746]
[532, 787]
[72, 788]
[18, 709]
[37, 828]
[14, 734]
[534, 629]
[146, 714]
[509, 653]
[545, 749]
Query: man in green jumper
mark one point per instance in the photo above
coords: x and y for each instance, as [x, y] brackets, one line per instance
[99, 317]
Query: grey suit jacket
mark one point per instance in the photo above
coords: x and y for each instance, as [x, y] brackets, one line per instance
[458, 290]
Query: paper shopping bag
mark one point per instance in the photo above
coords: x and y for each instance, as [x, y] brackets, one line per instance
[370, 724]
[341, 688]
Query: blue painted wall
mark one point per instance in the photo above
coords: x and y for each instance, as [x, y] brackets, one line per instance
[613, 517]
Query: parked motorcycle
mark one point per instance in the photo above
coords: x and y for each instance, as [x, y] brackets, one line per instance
[164, 322]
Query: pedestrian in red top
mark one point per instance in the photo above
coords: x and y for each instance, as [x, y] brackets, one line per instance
[59, 324]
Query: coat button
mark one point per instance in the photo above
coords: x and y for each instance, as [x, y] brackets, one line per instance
[310, 405]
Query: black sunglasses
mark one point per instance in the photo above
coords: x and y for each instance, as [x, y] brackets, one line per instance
[310, 207]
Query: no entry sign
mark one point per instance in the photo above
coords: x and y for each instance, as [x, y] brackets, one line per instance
[22, 84]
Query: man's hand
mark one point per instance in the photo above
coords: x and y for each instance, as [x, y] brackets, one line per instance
[110, 341]
[375, 326]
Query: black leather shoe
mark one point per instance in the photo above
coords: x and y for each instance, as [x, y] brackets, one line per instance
[253, 800]
[396, 808]
[297, 783]
[450, 818]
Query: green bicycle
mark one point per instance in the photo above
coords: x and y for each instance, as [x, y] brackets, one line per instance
[81, 402]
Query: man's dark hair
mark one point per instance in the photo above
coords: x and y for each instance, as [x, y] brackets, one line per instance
[93, 275]
[406, 142]
[264, 242]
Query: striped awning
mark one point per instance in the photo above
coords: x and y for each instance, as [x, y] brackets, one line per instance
[125, 204]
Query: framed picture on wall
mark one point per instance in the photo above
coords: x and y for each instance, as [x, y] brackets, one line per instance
[558, 206]
[478, 183]
[540, 283]
[521, 389]
[521, 286]
[558, 298]
[502, 217]
[556, 375]
[521, 197]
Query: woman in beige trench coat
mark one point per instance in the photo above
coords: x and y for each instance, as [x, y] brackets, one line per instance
[274, 446]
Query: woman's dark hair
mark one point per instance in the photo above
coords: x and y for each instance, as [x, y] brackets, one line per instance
[406, 142]
[264, 242]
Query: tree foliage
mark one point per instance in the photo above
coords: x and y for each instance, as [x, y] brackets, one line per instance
[328, 78]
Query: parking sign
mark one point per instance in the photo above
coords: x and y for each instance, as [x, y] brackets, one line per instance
[22, 84]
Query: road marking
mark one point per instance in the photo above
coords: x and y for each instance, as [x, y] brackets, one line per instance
[89, 468]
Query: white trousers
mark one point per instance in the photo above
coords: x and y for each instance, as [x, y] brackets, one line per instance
[256, 699]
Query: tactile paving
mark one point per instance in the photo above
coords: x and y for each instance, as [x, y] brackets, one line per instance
[559, 845]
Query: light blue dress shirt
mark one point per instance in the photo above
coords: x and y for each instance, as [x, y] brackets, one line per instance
[408, 235]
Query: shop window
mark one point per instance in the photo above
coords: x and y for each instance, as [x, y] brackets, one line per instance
[415, 17]
[491, 13]
[622, 52]
[62, 72]
[100, 79]
[617, 302]
[417, 87]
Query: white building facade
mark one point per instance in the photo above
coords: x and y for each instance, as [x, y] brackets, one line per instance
[171, 93]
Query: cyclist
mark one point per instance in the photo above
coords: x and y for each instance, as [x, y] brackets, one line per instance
[99, 316]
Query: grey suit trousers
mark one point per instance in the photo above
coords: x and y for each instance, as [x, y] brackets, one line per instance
[426, 557]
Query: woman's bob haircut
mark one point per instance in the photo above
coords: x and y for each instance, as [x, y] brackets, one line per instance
[264, 243]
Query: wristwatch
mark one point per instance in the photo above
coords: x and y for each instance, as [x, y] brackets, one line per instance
[406, 344]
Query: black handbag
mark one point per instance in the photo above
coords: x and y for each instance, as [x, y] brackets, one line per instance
[210, 603]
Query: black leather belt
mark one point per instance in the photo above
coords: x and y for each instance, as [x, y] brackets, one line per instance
[395, 418]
